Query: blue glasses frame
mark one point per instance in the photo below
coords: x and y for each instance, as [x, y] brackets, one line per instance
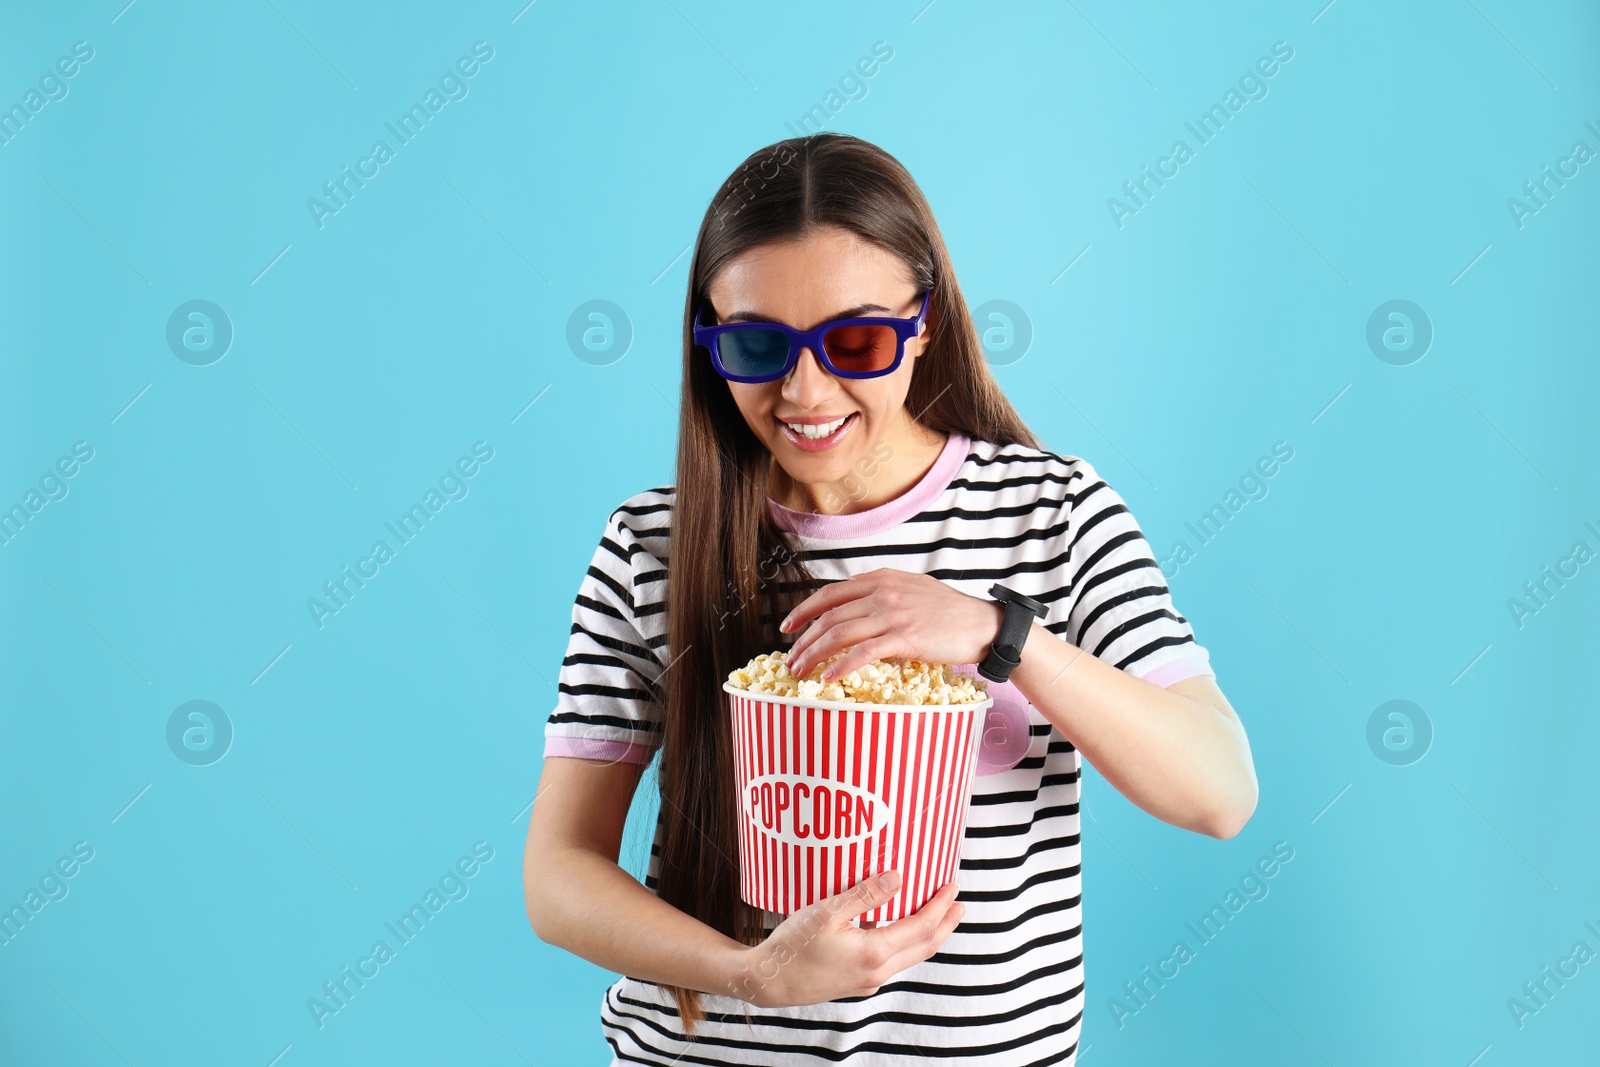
[904, 329]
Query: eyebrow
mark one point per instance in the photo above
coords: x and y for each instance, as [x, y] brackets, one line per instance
[847, 313]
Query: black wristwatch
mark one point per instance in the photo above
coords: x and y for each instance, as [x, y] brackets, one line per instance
[1006, 652]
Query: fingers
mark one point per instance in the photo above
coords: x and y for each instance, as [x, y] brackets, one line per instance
[838, 635]
[872, 643]
[836, 592]
[823, 622]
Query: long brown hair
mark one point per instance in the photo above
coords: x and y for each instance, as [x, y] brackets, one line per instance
[732, 574]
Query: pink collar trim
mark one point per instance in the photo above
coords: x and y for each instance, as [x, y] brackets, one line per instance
[885, 515]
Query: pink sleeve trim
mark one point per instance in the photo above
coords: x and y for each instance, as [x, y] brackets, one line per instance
[595, 748]
[1190, 666]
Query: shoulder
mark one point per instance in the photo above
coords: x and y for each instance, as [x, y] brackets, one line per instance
[643, 522]
[1059, 492]
[646, 510]
[994, 465]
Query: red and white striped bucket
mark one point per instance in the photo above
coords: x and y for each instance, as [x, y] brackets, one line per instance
[834, 792]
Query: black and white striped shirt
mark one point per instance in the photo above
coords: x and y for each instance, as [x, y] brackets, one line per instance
[1007, 986]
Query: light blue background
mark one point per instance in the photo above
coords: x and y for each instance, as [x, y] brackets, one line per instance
[370, 353]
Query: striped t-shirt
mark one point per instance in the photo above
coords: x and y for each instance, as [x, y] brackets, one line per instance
[1007, 986]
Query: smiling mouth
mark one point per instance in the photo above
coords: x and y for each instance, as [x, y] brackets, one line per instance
[816, 431]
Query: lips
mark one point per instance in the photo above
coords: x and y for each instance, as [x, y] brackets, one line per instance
[819, 444]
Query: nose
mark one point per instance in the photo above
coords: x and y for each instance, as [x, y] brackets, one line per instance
[808, 383]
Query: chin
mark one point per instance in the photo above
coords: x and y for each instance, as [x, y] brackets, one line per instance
[817, 466]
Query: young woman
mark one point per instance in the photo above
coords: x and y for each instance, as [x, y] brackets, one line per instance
[857, 489]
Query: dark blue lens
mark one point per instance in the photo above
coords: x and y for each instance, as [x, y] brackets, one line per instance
[753, 353]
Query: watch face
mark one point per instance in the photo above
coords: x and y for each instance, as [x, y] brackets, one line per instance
[1011, 596]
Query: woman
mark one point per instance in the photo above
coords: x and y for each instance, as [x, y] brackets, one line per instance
[856, 491]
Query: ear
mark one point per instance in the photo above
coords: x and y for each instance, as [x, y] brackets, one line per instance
[927, 330]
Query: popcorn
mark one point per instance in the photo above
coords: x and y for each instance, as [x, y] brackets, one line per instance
[883, 681]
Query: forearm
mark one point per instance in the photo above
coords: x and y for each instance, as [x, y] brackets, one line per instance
[1180, 759]
[580, 901]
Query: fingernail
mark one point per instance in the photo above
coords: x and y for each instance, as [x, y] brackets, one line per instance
[889, 880]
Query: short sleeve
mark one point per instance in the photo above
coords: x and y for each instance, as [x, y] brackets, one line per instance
[609, 701]
[1121, 609]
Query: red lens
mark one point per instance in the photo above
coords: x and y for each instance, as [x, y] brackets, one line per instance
[861, 349]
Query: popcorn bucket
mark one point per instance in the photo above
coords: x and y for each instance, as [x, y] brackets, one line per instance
[832, 792]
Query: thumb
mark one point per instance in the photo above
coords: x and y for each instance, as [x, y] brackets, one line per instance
[871, 892]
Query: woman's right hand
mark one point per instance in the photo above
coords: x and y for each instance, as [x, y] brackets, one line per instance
[818, 954]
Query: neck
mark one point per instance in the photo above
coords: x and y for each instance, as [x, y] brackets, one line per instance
[912, 449]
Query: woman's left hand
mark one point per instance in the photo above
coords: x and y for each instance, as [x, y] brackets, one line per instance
[890, 612]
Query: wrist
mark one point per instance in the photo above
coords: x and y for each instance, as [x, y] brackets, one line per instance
[1033, 650]
[1045, 659]
[991, 633]
[748, 973]
[1019, 615]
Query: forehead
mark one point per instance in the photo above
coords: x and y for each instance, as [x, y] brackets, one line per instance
[811, 280]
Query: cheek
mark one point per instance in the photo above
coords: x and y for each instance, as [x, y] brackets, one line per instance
[890, 394]
[754, 405]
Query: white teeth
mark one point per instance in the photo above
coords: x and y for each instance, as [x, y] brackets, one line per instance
[819, 430]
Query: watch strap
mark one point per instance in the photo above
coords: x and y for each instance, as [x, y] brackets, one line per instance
[1015, 624]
